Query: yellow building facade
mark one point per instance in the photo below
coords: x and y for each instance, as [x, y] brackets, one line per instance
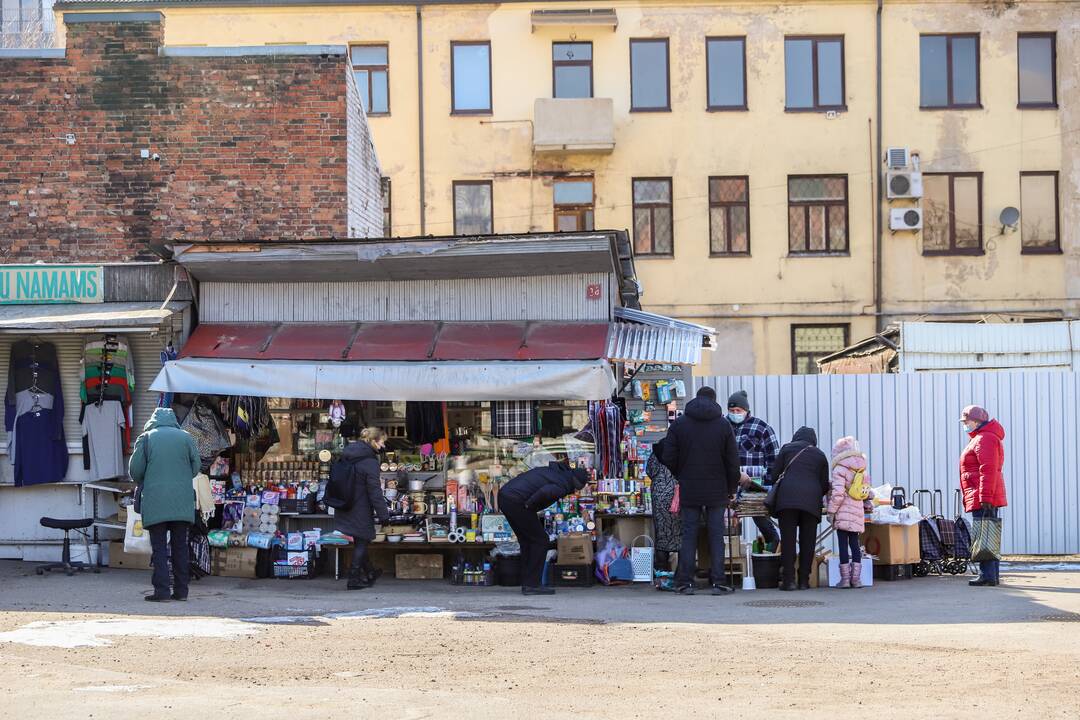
[743, 144]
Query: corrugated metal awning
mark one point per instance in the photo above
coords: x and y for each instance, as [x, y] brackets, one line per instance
[115, 316]
[404, 342]
[648, 337]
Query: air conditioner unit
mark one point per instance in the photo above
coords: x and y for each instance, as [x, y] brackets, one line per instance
[902, 184]
[897, 158]
[905, 219]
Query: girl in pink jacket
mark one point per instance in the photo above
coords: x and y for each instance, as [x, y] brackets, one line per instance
[847, 513]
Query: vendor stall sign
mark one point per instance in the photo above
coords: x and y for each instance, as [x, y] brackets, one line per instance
[40, 284]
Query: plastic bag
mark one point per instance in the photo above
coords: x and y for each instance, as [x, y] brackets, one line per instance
[910, 515]
[882, 494]
[886, 515]
[612, 551]
[136, 537]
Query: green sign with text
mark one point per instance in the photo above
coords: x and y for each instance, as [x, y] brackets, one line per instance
[39, 284]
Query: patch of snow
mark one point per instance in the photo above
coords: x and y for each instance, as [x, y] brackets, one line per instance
[401, 612]
[94, 633]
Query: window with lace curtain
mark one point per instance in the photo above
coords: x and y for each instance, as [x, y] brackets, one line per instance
[817, 214]
[810, 343]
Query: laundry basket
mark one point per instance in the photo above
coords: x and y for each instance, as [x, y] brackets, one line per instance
[641, 559]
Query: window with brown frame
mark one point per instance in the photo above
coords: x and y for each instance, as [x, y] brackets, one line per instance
[470, 77]
[814, 74]
[650, 75]
[387, 225]
[952, 214]
[653, 222]
[810, 343]
[473, 207]
[571, 70]
[729, 215]
[725, 72]
[817, 214]
[1040, 225]
[1036, 70]
[949, 72]
[371, 68]
[574, 204]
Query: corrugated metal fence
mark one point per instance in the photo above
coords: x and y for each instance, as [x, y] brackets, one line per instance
[908, 426]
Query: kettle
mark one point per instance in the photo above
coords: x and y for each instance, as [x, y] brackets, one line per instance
[899, 498]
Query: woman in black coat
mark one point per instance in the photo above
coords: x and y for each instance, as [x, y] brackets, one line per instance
[799, 500]
[358, 520]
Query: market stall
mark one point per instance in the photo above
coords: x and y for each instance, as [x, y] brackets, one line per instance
[79, 345]
[480, 358]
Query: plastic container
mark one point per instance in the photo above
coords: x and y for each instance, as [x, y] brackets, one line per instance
[766, 570]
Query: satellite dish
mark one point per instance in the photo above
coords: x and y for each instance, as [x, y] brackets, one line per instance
[1009, 217]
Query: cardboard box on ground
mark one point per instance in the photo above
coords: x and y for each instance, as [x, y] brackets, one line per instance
[892, 544]
[428, 566]
[575, 549]
[127, 561]
[233, 562]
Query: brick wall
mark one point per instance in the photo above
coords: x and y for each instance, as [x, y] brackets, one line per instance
[251, 146]
[364, 186]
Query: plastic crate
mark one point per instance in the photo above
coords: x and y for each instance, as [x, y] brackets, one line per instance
[287, 565]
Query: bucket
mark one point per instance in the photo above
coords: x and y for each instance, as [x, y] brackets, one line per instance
[766, 570]
[508, 570]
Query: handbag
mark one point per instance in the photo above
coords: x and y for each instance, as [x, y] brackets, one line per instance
[986, 539]
[770, 499]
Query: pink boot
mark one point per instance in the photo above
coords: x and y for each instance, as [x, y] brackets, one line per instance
[856, 575]
[845, 576]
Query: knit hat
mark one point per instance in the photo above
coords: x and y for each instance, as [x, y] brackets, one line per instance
[707, 392]
[739, 399]
[975, 414]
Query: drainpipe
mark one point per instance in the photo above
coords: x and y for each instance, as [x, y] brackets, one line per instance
[420, 114]
[878, 257]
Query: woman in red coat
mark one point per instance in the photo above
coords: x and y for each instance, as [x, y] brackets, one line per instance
[981, 481]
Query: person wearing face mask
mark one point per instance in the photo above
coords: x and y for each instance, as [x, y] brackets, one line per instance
[758, 448]
[358, 519]
[981, 481]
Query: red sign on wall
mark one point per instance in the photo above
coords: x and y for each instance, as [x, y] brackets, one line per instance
[594, 292]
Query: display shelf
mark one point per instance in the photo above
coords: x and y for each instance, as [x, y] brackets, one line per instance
[118, 487]
[112, 522]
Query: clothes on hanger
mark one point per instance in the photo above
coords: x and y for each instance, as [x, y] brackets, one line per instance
[103, 432]
[424, 423]
[167, 354]
[248, 416]
[107, 374]
[34, 415]
[605, 425]
[514, 418]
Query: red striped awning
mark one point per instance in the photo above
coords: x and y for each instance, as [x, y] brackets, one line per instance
[399, 341]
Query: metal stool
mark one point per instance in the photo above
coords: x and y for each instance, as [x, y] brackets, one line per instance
[67, 526]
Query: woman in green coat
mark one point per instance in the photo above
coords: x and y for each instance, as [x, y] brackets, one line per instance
[163, 464]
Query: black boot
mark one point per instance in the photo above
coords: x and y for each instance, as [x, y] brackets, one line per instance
[357, 580]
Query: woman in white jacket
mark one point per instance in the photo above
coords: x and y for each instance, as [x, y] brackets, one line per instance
[848, 513]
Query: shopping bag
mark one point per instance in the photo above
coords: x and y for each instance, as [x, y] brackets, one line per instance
[136, 537]
[986, 539]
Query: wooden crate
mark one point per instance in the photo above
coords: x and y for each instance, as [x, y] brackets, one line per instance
[417, 566]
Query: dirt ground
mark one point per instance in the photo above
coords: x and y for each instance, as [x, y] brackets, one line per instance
[294, 649]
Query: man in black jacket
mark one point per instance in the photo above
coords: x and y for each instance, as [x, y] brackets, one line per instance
[701, 452]
[521, 499]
